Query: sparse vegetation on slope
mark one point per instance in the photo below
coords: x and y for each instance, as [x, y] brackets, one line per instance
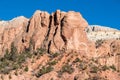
[13, 60]
[44, 70]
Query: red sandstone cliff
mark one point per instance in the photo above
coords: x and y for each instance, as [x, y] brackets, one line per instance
[79, 55]
[53, 32]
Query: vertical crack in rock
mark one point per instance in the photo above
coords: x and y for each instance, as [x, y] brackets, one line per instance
[48, 47]
[27, 28]
[46, 44]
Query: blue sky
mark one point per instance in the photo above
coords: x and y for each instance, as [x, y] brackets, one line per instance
[99, 12]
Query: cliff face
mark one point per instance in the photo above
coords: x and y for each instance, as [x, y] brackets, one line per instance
[56, 32]
[12, 31]
[70, 43]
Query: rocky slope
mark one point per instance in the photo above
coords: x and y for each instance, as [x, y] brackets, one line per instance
[96, 28]
[96, 32]
[58, 46]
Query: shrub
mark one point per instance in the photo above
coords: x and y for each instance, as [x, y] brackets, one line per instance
[16, 66]
[95, 60]
[6, 70]
[98, 43]
[67, 68]
[95, 78]
[52, 62]
[21, 58]
[94, 69]
[44, 70]
[113, 67]
[82, 66]
[41, 51]
[76, 60]
[53, 55]
[26, 68]
[104, 68]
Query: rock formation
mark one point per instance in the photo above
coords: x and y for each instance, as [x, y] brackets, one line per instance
[12, 31]
[58, 46]
[95, 32]
[54, 32]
